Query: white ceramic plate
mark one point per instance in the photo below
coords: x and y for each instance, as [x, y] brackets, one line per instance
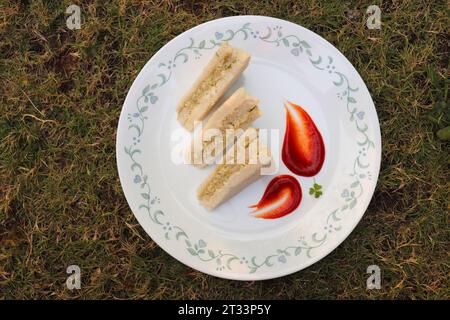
[288, 62]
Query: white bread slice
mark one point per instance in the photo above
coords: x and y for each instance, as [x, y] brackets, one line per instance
[228, 179]
[237, 112]
[218, 75]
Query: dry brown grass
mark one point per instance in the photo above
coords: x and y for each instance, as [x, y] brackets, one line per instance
[60, 198]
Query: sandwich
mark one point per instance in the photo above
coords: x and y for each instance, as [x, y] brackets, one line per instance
[237, 112]
[241, 166]
[219, 74]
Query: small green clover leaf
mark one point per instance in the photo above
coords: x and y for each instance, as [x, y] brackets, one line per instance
[316, 190]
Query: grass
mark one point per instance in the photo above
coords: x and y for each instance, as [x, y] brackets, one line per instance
[60, 198]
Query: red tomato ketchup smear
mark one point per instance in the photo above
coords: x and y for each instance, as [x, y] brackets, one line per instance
[303, 148]
[282, 196]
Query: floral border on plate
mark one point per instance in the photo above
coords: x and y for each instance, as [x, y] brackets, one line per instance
[272, 35]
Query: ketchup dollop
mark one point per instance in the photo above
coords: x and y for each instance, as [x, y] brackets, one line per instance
[303, 148]
[282, 196]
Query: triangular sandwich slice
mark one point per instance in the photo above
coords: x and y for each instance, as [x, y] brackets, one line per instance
[219, 74]
[241, 166]
[237, 112]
